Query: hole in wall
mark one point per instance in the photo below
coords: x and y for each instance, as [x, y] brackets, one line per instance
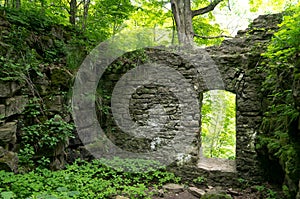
[218, 128]
[218, 131]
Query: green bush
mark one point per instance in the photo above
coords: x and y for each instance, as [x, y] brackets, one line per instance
[43, 136]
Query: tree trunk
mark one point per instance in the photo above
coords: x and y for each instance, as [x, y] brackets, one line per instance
[182, 14]
[18, 4]
[73, 11]
[6, 3]
[296, 83]
[86, 4]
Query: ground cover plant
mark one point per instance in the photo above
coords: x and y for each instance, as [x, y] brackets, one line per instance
[87, 180]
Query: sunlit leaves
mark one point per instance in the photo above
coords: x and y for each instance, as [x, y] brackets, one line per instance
[203, 26]
[283, 50]
[270, 5]
[278, 138]
[106, 17]
[151, 14]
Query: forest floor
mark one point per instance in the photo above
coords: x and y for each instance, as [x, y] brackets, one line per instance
[256, 192]
[187, 195]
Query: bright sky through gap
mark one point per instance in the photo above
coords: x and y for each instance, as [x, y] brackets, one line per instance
[237, 18]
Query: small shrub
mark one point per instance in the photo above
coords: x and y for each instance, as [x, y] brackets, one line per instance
[43, 136]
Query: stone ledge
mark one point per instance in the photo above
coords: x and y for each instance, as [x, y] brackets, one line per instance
[217, 164]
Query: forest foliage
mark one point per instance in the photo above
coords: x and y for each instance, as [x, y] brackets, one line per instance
[86, 23]
[218, 128]
[279, 140]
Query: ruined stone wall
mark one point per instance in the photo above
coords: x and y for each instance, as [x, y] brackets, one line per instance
[11, 105]
[16, 109]
[238, 60]
[231, 66]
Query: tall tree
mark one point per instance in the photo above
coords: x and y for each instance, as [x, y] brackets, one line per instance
[18, 4]
[183, 15]
[86, 4]
[73, 11]
[12, 3]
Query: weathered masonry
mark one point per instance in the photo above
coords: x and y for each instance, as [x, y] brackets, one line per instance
[231, 66]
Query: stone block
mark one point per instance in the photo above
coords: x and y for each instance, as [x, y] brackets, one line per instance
[55, 103]
[175, 188]
[5, 89]
[2, 111]
[196, 192]
[8, 89]
[15, 105]
[8, 133]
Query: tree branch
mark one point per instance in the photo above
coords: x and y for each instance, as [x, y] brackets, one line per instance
[213, 37]
[79, 4]
[206, 9]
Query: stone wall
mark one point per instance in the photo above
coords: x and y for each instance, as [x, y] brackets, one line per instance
[11, 105]
[238, 60]
[16, 97]
[232, 66]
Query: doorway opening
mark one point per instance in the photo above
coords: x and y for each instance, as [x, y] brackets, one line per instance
[218, 125]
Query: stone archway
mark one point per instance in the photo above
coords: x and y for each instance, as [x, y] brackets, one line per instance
[231, 67]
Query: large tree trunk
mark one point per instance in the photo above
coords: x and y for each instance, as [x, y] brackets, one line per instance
[182, 14]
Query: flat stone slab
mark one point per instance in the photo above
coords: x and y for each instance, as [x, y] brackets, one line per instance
[196, 191]
[176, 188]
[217, 164]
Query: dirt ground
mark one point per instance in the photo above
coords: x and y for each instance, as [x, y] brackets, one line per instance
[244, 194]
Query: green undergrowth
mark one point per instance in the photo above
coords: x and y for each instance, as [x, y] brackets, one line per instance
[88, 180]
[31, 40]
[279, 141]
